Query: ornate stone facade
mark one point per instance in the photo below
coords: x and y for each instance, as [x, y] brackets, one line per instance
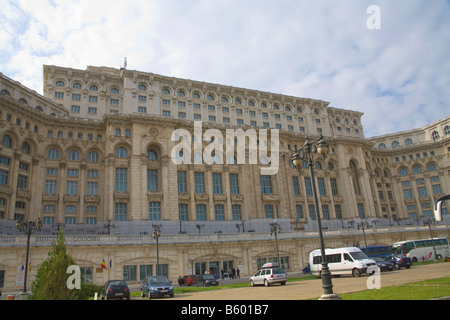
[96, 147]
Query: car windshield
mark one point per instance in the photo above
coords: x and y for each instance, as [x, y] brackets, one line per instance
[358, 255]
[208, 276]
[158, 280]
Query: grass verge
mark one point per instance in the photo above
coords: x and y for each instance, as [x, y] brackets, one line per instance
[423, 290]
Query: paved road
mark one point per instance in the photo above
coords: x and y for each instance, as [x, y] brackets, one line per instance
[311, 289]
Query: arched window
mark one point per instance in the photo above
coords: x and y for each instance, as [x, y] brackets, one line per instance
[408, 142]
[26, 148]
[59, 83]
[142, 87]
[73, 155]
[93, 156]
[53, 154]
[121, 152]
[152, 155]
[7, 141]
[431, 167]
[447, 130]
[395, 144]
[318, 165]
[435, 135]
[381, 146]
[403, 172]
[93, 88]
[417, 170]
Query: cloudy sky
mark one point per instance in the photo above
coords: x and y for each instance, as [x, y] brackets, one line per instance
[398, 75]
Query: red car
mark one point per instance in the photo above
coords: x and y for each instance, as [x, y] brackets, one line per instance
[189, 280]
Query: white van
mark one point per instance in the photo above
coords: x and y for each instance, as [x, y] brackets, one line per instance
[342, 261]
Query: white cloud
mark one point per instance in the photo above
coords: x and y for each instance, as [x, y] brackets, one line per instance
[398, 75]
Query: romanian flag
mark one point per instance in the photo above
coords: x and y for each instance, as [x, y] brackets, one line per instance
[103, 264]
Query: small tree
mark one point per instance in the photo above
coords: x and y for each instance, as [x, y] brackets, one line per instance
[51, 278]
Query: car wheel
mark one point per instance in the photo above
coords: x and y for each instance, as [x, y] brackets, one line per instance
[283, 283]
[142, 294]
[149, 294]
[356, 273]
[171, 295]
[252, 284]
[396, 267]
[266, 282]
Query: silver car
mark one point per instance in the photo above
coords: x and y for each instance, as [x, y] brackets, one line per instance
[270, 273]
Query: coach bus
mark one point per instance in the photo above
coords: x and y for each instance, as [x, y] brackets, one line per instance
[422, 250]
[378, 251]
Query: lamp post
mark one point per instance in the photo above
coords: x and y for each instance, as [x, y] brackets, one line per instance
[363, 225]
[306, 152]
[199, 227]
[156, 234]
[28, 227]
[429, 222]
[274, 230]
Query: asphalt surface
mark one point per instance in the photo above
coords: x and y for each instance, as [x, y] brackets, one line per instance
[311, 289]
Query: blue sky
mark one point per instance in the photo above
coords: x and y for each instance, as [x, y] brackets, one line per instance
[398, 75]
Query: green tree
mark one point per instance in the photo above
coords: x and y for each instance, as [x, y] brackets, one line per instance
[51, 278]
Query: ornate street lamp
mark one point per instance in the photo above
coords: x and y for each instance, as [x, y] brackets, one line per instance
[156, 234]
[28, 227]
[306, 152]
[274, 230]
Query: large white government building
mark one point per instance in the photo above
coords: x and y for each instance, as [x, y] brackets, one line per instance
[93, 156]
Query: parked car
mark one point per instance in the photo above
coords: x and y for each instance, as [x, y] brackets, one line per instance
[189, 280]
[114, 289]
[270, 273]
[206, 280]
[383, 264]
[399, 261]
[157, 286]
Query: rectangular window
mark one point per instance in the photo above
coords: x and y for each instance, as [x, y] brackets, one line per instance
[217, 183]
[92, 188]
[152, 180]
[199, 178]
[234, 183]
[325, 212]
[408, 193]
[268, 210]
[72, 187]
[295, 186]
[183, 212]
[236, 212]
[266, 184]
[201, 212]
[308, 186]
[321, 183]
[338, 211]
[3, 176]
[219, 212]
[120, 210]
[130, 273]
[121, 179]
[182, 187]
[299, 209]
[154, 210]
[50, 186]
[334, 188]
[361, 210]
[22, 182]
[312, 211]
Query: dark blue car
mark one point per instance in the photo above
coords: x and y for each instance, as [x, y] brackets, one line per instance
[383, 264]
[399, 261]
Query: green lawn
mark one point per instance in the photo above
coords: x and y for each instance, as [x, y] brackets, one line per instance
[424, 290]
